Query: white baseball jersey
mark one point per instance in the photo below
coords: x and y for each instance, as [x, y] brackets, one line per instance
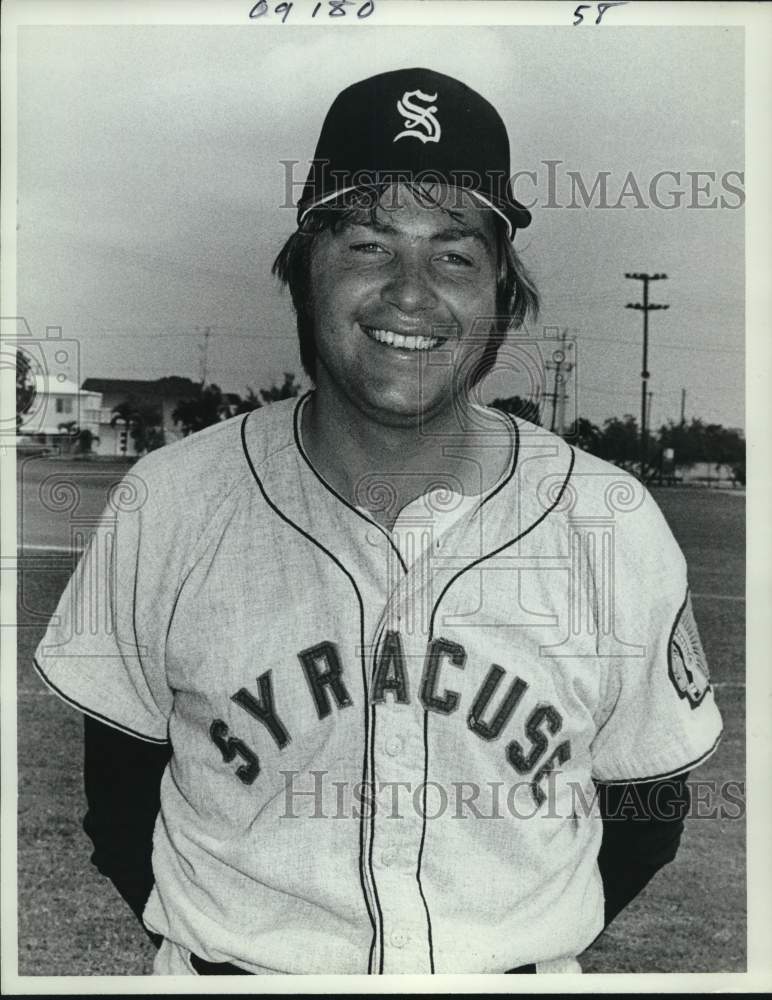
[384, 743]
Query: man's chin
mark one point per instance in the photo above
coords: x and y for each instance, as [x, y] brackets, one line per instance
[401, 413]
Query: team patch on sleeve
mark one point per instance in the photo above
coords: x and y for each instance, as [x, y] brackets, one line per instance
[687, 666]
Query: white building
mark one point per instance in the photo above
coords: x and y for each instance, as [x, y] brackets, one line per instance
[162, 395]
[55, 404]
[58, 403]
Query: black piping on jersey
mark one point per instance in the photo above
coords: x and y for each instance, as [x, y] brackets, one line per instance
[371, 763]
[331, 489]
[510, 473]
[371, 717]
[429, 935]
[94, 715]
[665, 774]
[448, 585]
[287, 520]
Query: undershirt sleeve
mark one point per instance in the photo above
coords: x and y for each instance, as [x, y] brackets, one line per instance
[122, 778]
[642, 828]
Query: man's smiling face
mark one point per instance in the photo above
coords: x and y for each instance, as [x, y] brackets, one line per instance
[389, 292]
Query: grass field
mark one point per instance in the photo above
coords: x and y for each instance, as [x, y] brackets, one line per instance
[690, 918]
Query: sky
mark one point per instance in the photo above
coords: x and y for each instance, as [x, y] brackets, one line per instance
[151, 194]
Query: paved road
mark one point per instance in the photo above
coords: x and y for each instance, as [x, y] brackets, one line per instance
[59, 500]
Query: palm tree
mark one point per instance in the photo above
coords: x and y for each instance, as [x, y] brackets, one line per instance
[70, 428]
[209, 406]
[25, 386]
[203, 410]
[288, 390]
[70, 432]
[143, 421]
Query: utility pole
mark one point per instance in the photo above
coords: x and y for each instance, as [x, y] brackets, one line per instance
[645, 307]
[683, 407]
[561, 366]
[205, 354]
[558, 379]
[567, 367]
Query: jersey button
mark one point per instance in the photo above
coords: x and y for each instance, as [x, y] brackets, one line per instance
[393, 746]
[399, 939]
[388, 857]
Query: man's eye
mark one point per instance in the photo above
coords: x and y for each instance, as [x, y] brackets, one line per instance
[456, 258]
[368, 247]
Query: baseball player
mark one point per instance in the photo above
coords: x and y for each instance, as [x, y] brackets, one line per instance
[381, 680]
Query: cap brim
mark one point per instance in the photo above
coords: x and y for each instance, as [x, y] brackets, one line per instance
[511, 227]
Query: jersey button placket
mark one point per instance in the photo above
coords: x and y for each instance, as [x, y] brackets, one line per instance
[399, 765]
[400, 753]
[397, 830]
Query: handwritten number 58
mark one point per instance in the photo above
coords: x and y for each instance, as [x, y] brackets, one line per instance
[602, 8]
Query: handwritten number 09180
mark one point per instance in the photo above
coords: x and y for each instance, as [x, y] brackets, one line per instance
[335, 8]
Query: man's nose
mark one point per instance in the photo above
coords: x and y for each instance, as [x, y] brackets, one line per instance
[409, 287]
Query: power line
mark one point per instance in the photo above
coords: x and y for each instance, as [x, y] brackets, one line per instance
[223, 332]
[623, 392]
[191, 333]
[671, 347]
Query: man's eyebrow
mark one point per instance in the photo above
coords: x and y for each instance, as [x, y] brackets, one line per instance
[447, 235]
[453, 233]
[374, 224]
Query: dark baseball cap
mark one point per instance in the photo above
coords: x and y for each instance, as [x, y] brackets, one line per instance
[413, 125]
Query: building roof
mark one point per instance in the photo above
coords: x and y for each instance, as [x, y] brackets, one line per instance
[47, 385]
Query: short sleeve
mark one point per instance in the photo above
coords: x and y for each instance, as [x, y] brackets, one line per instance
[103, 649]
[658, 716]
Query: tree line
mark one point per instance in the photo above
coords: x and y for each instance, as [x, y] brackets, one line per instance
[617, 440]
[144, 422]
[674, 445]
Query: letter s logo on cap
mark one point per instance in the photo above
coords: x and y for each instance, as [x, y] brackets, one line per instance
[420, 122]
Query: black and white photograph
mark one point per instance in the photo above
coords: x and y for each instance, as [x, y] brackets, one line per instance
[389, 391]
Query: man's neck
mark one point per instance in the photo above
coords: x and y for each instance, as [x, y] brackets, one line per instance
[382, 467]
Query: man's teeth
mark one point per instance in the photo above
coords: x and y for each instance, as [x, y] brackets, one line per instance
[400, 340]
